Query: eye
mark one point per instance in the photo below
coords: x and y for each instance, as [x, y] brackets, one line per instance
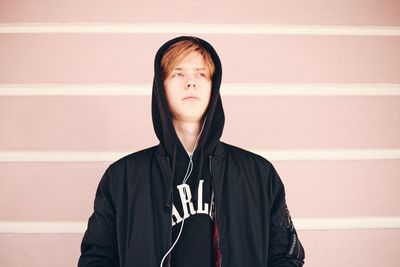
[177, 74]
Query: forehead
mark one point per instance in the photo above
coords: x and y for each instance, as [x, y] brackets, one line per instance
[193, 59]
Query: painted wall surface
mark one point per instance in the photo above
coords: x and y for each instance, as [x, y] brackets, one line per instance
[312, 85]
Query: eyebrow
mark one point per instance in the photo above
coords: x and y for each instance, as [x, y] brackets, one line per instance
[193, 68]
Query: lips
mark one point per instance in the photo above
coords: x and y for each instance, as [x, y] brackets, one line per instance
[190, 98]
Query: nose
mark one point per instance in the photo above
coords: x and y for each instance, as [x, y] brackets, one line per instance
[191, 83]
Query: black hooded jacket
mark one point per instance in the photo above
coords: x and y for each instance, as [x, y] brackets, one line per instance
[131, 222]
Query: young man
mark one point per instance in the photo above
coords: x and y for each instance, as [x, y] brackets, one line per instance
[192, 200]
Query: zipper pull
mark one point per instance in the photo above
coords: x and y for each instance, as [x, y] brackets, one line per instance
[168, 197]
[209, 164]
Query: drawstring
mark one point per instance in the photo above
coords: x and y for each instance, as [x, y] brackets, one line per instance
[196, 184]
[173, 164]
[168, 197]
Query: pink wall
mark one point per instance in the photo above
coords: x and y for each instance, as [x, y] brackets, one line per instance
[346, 187]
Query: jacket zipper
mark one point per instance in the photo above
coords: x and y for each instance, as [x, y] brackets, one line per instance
[170, 216]
[215, 206]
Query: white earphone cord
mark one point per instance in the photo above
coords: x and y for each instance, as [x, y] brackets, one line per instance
[187, 175]
[188, 172]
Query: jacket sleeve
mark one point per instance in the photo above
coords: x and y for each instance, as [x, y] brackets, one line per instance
[99, 246]
[285, 249]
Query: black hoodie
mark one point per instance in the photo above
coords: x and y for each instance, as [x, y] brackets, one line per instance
[131, 222]
[194, 246]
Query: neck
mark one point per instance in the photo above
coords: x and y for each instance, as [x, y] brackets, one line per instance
[187, 133]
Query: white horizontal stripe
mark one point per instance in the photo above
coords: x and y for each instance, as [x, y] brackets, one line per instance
[331, 154]
[59, 156]
[310, 89]
[193, 28]
[70, 227]
[237, 89]
[347, 223]
[74, 89]
[292, 154]
[42, 227]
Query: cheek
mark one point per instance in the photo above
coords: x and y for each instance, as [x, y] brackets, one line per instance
[170, 93]
[207, 92]
[167, 88]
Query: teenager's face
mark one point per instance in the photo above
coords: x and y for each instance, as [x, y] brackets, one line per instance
[187, 89]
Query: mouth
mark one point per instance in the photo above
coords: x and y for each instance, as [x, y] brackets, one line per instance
[191, 98]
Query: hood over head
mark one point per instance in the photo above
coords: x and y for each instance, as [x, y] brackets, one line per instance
[162, 118]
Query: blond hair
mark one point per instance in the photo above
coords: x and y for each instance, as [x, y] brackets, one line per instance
[178, 51]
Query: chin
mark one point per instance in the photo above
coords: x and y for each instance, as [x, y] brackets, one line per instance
[192, 118]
